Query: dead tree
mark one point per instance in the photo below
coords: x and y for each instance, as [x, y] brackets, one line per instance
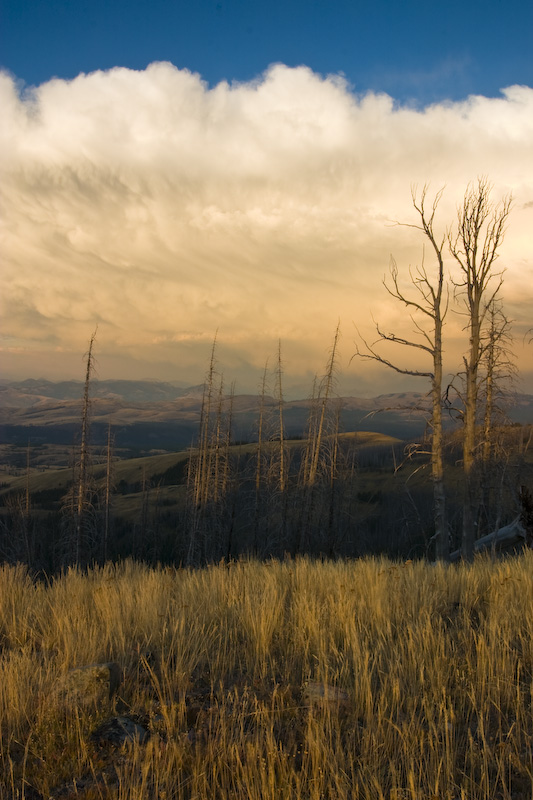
[228, 488]
[80, 509]
[320, 452]
[108, 491]
[497, 376]
[279, 399]
[475, 245]
[259, 467]
[514, 537]
[209, 473]
[429, 302]
[499, 372]
[334, 459]
[202, 483]
[318, 423]
[199, 481]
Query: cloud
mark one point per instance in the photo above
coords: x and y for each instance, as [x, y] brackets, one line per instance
[164, 210]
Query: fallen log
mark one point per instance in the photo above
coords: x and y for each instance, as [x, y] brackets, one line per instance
[507, 538]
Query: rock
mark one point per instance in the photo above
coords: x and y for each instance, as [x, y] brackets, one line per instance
[322, 694]
[95, 683]
[119, 731]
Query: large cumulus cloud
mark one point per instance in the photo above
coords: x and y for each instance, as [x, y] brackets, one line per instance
[164, 210]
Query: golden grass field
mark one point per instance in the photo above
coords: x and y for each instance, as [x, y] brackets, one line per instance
[297, 679]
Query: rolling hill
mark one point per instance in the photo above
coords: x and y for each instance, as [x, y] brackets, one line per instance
[148, 416]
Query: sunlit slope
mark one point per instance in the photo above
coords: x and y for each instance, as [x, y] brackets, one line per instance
[136, 470]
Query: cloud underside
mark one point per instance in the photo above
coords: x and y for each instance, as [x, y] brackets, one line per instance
[164, 210]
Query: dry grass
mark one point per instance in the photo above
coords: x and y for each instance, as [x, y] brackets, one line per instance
[428, 673]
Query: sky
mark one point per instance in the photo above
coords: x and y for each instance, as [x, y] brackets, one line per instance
[172, 170]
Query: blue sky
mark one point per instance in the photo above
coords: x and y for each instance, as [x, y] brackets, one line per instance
[419, 51]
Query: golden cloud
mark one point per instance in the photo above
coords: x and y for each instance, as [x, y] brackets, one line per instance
[165, 210]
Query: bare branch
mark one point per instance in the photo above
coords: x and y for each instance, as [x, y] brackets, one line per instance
[430, 298]
[372, 355]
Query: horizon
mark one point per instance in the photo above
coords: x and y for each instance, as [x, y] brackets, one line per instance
[290, 394]
[289, 397]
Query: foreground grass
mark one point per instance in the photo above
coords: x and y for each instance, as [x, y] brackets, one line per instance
[428, 676]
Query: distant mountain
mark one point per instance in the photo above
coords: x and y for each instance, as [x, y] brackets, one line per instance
[29, 392]
[149, 414]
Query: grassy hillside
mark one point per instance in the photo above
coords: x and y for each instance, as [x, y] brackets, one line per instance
[287, 680]
[369, 507]
[155, 469]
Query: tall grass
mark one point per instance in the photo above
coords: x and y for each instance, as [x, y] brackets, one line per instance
[295, 679]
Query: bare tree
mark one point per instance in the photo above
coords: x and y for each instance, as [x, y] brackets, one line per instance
[259, 466]
[480, 231]
[318, 422]
[332, 526]
[108, 490]
[210, 481]
[428, 301]
[320, 452]
[499, 373]
[201, 476]
[279, 399]
[79, 508]
[199, 481]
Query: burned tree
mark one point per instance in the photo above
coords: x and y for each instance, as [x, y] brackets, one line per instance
[429, 302]
[318, 423]
[78, 509]
[480, 231]
[318, 470]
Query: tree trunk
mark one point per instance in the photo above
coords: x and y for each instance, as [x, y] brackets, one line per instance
[82, 488]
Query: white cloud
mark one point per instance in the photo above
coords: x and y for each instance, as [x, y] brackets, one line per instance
[165, 210]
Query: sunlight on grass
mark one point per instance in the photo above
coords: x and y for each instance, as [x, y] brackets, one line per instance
[297, 679]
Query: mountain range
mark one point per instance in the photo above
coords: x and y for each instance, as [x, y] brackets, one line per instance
[149, 414]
